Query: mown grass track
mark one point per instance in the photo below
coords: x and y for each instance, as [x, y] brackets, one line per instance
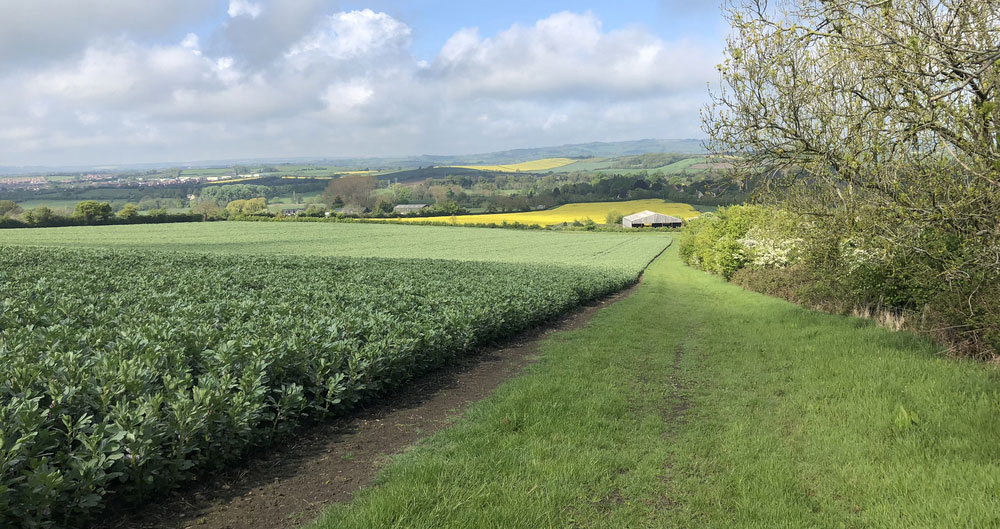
[695, 404]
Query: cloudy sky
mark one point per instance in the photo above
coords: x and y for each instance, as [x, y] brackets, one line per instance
[122, 81]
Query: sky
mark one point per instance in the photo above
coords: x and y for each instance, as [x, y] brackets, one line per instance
[120, 81]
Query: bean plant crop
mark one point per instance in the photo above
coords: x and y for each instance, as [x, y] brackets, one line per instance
[124, 373]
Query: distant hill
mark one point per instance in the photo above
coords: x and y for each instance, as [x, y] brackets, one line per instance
[594, 149]
[513, 156]
[577, 150]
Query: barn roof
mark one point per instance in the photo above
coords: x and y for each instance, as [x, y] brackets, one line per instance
[660, 218]
[409, 207]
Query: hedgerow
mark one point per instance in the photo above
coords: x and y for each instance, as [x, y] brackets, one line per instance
[839, 267]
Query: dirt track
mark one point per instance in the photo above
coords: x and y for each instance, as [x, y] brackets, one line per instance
[327, 463]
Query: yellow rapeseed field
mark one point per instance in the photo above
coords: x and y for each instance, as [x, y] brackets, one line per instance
[534, 165]
[596, 211]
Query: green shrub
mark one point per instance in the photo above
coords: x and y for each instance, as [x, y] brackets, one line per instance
[716, 242]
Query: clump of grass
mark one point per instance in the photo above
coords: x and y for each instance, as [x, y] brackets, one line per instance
[890, 319]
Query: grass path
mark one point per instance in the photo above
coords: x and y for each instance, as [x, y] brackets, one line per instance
[696, 404]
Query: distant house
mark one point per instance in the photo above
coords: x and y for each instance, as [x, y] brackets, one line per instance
[651, 219]
[404, 209]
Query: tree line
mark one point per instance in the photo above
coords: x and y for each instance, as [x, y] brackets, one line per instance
[86, 213]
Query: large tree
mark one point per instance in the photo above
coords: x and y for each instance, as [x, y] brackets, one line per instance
[9, 207]
[353, 190]
[880, 120]
[92, 212]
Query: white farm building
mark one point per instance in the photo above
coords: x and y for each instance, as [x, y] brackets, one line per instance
[404, 209]
[650, 219]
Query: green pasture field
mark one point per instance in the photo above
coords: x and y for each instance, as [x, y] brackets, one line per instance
[676, 168]
[592, 164]
[303, 198]
[53, 204]
[682, 165]
[602, 166]
[696, 404]
[358, 240]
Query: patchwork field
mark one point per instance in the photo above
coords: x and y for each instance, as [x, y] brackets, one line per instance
[596, 211]
[285, 171]
[688, 165]
[544, 164]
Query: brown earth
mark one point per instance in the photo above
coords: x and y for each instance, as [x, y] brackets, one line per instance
[327, 463]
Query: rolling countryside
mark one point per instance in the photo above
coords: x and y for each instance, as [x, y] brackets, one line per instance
[499, 265]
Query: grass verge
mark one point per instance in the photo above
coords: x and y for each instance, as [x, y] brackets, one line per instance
[694, 403]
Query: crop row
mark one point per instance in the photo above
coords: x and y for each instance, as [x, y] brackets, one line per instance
[124, 373]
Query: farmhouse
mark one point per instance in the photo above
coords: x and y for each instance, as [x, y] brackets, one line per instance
[651, 219]
[403, 209]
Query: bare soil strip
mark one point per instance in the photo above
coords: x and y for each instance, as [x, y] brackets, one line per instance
[329, 462]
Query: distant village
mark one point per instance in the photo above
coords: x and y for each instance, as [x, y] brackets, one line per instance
[34, 183]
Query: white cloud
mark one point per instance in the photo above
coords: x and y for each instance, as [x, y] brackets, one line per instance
[352, 35]
[344, 97]
[347, 83]
[192, 43]
[568, 54]
[239, 8]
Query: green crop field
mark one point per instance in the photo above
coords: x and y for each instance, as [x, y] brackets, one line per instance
[128, 368]
[358, 240]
